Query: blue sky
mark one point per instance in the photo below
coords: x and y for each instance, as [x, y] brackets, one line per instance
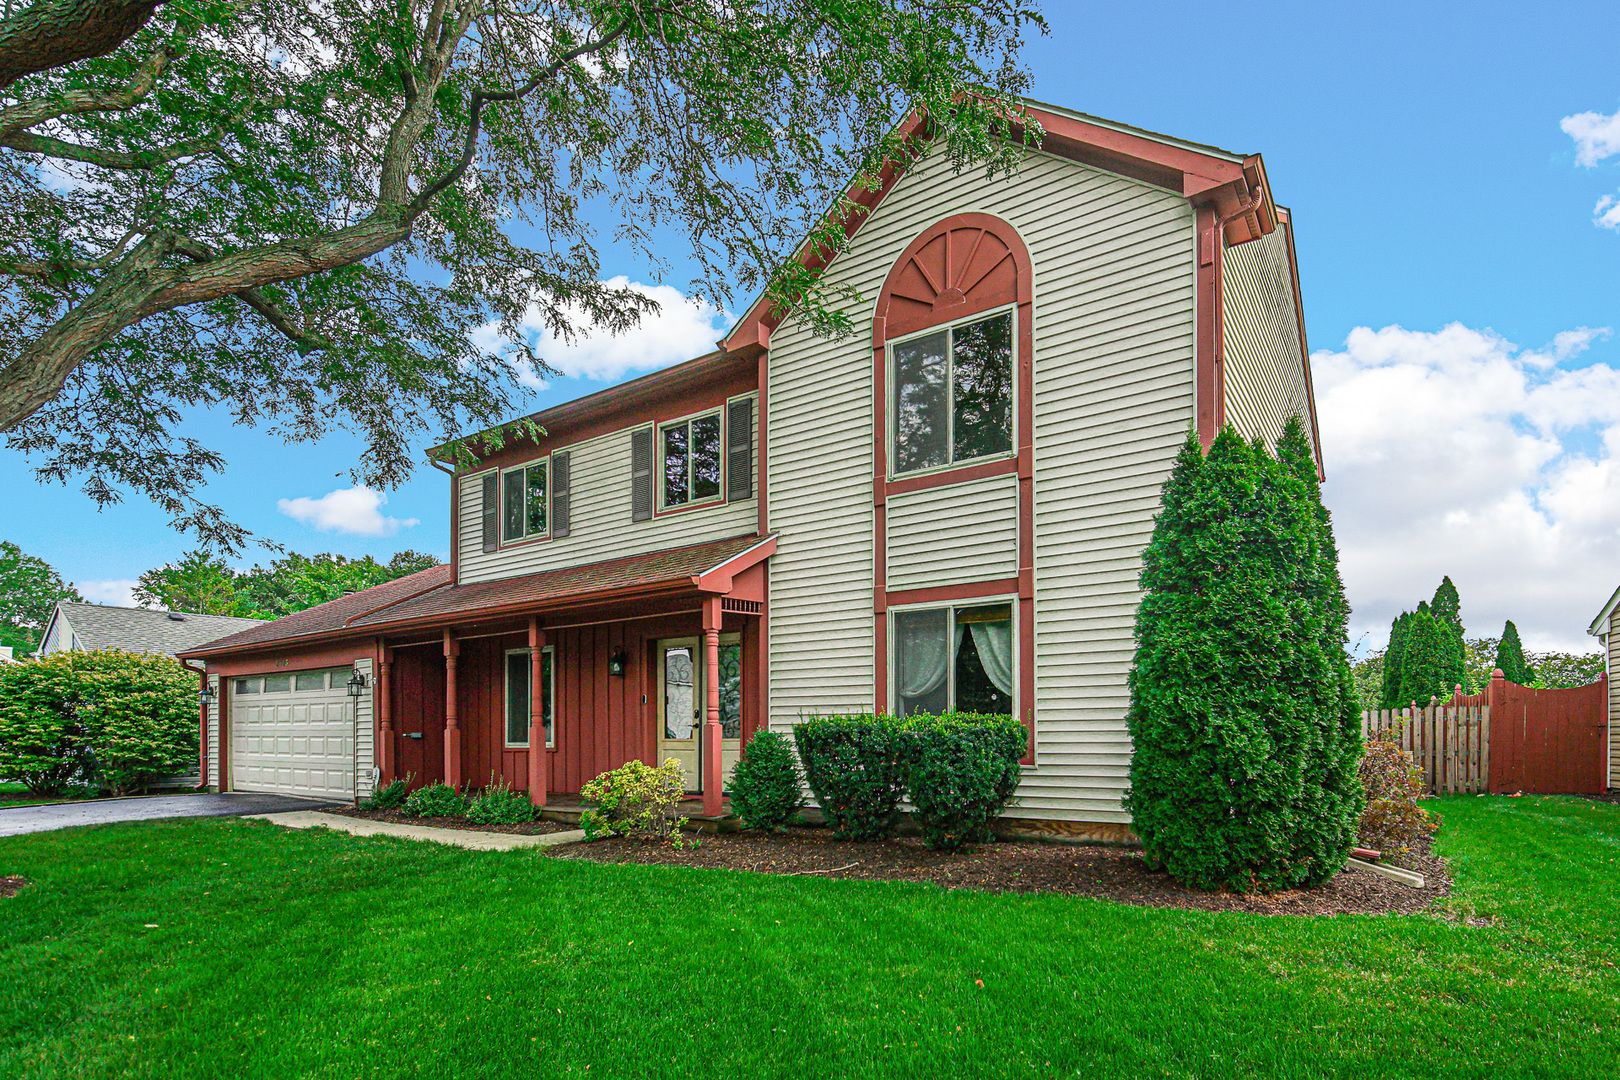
[1458, 294]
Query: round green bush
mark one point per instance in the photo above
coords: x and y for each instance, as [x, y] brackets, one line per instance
[961, 770]
[766, 786]
[855, 765]
[434, 800]
[498, 804]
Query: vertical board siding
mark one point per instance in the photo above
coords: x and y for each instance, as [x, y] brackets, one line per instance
[1265, 369]
[599, 517]
[953, 534]
[1113, 320]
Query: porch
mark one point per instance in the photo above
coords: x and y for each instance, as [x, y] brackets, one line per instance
[541, 683]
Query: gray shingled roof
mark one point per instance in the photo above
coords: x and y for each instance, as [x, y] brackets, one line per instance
[141, 630]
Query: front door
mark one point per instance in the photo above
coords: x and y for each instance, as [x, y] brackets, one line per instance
[682, 699]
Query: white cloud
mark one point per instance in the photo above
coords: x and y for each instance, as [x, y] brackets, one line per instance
[1596, 136]
[679, 330]
[350, 510]
[1458, 452]
[114, 591]
[1607, 212]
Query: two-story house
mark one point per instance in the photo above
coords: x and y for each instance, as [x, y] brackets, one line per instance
[946, 510]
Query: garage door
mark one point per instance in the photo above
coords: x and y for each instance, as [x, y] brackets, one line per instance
[293, 733]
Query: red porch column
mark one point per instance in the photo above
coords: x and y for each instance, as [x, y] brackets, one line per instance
[712, 806]
[539, 760]
[385, 713]
[452, 734]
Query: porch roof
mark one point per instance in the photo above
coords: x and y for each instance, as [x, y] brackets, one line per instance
[430, 598]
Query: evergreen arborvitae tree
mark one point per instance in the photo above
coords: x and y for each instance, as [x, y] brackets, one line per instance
[1510, 657]
[1237, 714]
[1447, 608]
[1426, 660]
[1394, 659]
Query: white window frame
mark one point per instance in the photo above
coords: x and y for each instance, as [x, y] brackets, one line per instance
[950, 606]
[719, 413]
[500, 502]
[893, 428]
[506, 696]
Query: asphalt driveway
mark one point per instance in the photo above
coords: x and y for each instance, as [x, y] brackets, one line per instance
[16, 820]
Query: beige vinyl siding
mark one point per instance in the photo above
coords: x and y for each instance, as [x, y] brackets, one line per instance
[600, 525]
[1113, 324]
[217, 685]
[364, 733]
[953, 534]
[1265, 367]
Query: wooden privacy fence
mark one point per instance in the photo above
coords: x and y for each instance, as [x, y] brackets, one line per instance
[1506, 739]
[1451, 744]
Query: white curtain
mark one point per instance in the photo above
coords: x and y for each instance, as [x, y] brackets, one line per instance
[994, 642]
[921, 653]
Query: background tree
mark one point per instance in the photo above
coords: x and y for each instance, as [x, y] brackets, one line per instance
[29, 589]
[1558, 670]
[1237, 713]
[206, 585]
[1426, 662]
[1510, 657]
[1446, 607]
[312, 214]
[1394, 660]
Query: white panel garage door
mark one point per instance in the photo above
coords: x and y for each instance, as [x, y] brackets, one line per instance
[293, 734]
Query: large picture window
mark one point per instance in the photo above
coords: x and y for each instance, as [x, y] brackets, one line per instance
[517, 696]
[952, 395]
[523, 507]
[692, 453]
[954, 659]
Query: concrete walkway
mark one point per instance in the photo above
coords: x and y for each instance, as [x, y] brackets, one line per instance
[16, 820]
[464, 838]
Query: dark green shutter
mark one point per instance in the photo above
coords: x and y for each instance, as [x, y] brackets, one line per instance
[559, 494]
[641, 478]
[740, 450]
[491, 524]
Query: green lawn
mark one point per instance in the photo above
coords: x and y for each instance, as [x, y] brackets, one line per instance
[290, 954]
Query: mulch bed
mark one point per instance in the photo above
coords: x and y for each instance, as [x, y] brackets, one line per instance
[11, 886]
[1106, 873]
[527, 828]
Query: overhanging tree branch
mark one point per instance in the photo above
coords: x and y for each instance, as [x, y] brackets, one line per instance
[51, 33]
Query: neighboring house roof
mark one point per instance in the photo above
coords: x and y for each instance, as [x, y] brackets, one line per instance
[1600, 625]
[432, 597]
[142, 630]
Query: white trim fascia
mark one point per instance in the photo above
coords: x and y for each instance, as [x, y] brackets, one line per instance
[1603, 616]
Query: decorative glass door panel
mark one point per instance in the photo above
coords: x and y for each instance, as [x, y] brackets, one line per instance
[682, 701]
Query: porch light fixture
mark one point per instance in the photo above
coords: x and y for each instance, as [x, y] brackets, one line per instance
[617, 662]
[357, 683]
[206, 695]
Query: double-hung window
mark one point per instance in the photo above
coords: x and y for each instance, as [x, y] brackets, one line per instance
[951, 395]
[518, 679]
[693, 455]
[523, 502]
[954, 659]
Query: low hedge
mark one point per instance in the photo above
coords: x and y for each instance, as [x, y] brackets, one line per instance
[110, 720]
[961, 770]
[958, 771]
[854, 764]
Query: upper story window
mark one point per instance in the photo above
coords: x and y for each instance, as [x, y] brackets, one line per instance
[952, 394]
[692, 460]
[523, 502]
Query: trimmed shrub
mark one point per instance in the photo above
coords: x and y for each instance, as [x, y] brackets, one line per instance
[766, 785]
[1241, 709]
[389, 796]
[1392, 820]
[855, 765]
[636, 800]
[498, 804]
[109, 719]
[961, 770]
[434, 800]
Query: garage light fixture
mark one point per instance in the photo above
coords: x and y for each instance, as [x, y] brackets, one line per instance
[357, 683]
[206, 695]
[617, 662]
